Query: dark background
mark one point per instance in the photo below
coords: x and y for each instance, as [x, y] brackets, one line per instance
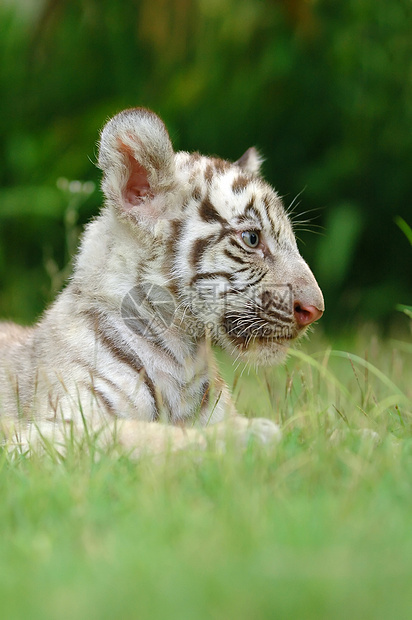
[323, 88]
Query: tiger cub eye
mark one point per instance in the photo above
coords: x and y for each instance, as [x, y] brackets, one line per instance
[251, 238]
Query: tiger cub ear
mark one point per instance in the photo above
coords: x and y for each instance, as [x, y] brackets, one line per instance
[251, 161]
[137, 158]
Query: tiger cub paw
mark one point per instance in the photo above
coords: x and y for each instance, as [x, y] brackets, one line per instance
[264, 431]
[243, 431]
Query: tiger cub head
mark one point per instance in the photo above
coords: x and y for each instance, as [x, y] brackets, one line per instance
[223, 244]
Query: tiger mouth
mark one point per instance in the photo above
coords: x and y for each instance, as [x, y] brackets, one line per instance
[243, 336]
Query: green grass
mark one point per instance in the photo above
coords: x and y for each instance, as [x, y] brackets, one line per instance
[318, 527]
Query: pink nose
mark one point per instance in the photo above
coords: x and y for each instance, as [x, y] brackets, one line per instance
[305, 315]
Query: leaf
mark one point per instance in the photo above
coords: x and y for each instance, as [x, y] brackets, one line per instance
[405, 228]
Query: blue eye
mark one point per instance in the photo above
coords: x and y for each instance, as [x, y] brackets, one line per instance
[251, 238]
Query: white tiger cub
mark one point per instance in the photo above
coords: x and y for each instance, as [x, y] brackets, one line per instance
[187, 250]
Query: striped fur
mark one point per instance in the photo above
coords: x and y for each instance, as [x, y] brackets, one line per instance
[161, 273]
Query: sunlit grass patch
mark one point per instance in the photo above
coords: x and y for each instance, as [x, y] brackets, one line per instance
[328, 389]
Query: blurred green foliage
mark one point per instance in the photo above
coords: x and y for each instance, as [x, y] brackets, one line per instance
[323, 88]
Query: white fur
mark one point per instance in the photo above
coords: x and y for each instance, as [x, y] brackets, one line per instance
[82, 360]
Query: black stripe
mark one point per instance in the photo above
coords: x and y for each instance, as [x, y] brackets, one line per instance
[209, 214]
[140, 326]
[226, 230]
[106, 402]
[208, 173]
[150, 385]
[240, 183]
[277, 315]
[171, 251]
[237, 259]
[267, 202]
[257, 280]
[249, 284]
[123, 354]
[142, 377]
[221, 165]
[238, 245]
[211, 275]
[198, 249]
[160, 345]
[94, 373]
[242, 270]
[251, 211]
[128, 357]
[175, 234]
